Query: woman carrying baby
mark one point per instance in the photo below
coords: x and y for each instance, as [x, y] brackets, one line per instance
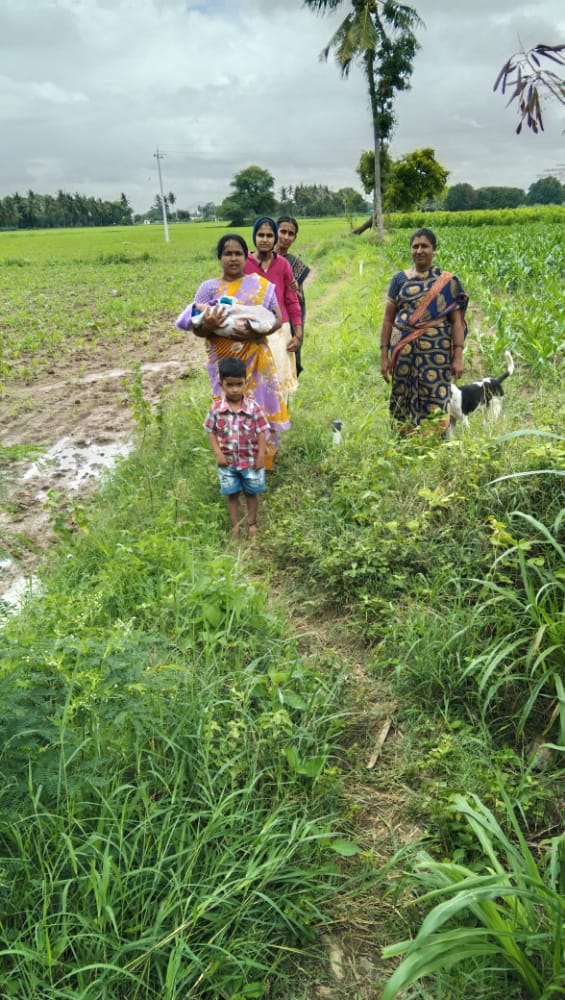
[245, 343]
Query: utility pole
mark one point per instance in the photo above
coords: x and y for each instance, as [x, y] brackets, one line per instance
[159, 156]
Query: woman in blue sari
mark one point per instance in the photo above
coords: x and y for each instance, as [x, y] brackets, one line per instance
[422, 337]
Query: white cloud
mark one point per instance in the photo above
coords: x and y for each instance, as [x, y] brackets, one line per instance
[51, 92]
[91, 87]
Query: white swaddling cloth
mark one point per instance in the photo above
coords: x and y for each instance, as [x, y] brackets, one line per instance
[236, 315]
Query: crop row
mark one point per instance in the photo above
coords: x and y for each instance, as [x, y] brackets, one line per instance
[514, 278]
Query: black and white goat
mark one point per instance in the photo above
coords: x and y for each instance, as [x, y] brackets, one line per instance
[485, 395]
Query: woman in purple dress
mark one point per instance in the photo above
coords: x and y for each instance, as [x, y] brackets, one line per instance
[248, 289]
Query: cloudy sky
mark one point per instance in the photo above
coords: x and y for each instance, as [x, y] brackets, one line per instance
[90, 89]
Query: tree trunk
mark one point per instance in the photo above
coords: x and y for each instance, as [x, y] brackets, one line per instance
[377, 194]
[362, 228]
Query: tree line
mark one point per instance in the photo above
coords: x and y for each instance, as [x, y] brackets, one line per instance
[416, 181]
[46, 211]
[254, 194]
[464, 197]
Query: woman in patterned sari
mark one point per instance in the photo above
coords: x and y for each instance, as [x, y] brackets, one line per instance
[250, 347]
[288, 231]
[422, 337]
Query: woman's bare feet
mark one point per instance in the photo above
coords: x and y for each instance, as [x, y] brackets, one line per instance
[252, 531]
[235, 531]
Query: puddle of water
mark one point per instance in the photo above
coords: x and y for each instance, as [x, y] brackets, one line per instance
[149, 366]
[111, 373]
[80, 463]
[77, 466]
[22, 587]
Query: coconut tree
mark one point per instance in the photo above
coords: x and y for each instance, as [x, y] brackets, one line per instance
[378, 34]
[170, 200]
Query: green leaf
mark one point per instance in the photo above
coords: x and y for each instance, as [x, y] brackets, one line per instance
[346, 848]
[212, 614]
[294, 700]
[311, 767]
[292, 758]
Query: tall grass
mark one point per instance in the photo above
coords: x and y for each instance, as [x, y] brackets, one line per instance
[177, 864]
[169, 821]
[512, 912]
[480, 218]
[524, 665]
[418, 546]
[177, 793]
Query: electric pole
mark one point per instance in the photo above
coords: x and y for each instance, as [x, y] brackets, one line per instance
[159, 156]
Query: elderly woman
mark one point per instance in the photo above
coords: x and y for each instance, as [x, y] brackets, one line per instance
[244, 343]
[422, 337]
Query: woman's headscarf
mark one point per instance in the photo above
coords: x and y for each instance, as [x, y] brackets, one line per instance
[259, 222]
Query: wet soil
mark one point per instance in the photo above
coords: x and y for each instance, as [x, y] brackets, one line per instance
[61, 431]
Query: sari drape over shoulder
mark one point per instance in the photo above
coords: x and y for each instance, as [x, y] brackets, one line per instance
[300, 271]
[262, 381]
[279, 272]
[438, 297]
[421, 346]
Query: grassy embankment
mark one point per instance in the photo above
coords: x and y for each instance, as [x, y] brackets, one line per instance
[187, 726]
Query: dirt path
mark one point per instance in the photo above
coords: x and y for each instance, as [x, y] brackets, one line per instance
[76, 413]
[59, 433]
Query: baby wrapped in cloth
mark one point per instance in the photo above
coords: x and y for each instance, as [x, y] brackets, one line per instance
[236, 315]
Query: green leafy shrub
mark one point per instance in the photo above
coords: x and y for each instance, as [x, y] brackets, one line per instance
[512, 911]
[523, 669]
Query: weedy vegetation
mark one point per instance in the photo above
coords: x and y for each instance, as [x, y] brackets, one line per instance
[185, 726]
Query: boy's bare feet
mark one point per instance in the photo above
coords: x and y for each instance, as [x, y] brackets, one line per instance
[252, 531]
[235, 531]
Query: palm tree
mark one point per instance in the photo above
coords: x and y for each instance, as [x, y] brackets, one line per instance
[32, 210]
[378, 34]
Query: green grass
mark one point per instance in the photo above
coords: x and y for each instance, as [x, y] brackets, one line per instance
[72, 288]
[511, 909]
[170, 806]
[186, 808]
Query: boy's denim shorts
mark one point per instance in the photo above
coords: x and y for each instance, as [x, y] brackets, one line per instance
[235, 480]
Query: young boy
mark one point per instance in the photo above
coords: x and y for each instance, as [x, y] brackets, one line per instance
[237, 429]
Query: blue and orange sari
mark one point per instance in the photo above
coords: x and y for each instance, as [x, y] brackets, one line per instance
[421, 344]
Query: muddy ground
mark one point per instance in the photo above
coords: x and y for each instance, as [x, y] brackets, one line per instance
[63, 430]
